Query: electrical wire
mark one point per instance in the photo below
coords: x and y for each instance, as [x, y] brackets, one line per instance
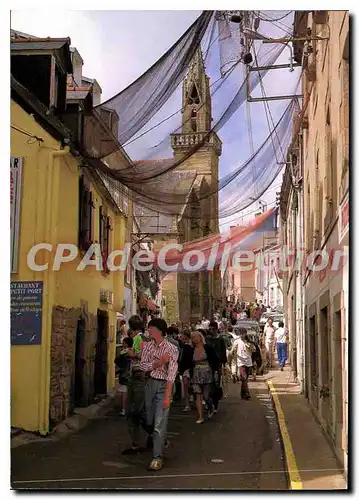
[279, 18]
[142, 195]
[39, 139]
[180, 109]
[250, 138]
[283, 27]
[267, 107]
[241, 216]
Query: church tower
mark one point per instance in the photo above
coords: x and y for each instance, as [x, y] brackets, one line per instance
[196, 98]
[200, 292]
[196, 126]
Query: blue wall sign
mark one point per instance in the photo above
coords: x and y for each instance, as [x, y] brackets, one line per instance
[26, 312]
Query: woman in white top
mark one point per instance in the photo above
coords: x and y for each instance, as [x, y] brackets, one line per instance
[241, 353]
[281, 336]
[269, 332]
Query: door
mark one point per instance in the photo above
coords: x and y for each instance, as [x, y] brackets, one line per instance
[313, 346]
[338, 379]
[326, 376]
[79, 364]
[101, 361]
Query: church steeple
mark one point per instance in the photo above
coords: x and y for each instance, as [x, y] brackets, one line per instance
[196, 98]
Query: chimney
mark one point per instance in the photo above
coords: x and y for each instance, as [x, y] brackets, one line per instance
[96, 94]
[77, 63]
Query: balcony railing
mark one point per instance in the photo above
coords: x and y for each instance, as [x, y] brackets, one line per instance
[194, 139]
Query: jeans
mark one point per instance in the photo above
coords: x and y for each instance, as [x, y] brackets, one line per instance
[282, 353]
[157, 416]
[243, 374]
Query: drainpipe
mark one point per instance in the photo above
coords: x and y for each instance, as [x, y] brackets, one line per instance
[294, 310]
[52, 198]
[300, 274]
[301, 294]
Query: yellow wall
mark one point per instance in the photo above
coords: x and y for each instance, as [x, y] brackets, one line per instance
[28, 368]
[72, 286]
[49, 213]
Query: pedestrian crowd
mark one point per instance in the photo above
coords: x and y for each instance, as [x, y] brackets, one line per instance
[156, 364]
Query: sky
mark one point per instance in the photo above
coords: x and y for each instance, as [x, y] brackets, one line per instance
[118, 46]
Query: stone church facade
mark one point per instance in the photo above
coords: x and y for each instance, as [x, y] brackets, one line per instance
[188, 297]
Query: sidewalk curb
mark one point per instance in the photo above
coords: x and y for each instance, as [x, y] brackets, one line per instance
[295, 481]
[70, 425]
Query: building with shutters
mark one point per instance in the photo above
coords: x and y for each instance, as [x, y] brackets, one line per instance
[314, 211]
[63, 322]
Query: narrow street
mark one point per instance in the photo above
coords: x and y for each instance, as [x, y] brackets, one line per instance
[178, 209]
[239, 449]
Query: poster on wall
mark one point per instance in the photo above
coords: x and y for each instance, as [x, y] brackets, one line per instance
[26, 312]
[15, 200]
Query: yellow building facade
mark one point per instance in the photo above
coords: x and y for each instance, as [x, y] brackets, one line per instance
[73, 363]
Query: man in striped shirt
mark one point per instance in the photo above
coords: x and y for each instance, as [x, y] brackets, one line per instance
[160, 360]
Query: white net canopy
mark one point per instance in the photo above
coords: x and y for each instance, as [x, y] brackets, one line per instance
[200, 96]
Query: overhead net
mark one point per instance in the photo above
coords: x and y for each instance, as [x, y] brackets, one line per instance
[150, 137]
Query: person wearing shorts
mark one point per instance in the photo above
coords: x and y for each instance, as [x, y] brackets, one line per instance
[204, 367]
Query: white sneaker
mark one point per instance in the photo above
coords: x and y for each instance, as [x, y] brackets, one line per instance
[123, 413]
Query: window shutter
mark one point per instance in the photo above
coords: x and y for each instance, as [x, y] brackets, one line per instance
[86, 234]
[90, 217]
[328, 158]
[81, 212]
[101, 233]
[107, 235]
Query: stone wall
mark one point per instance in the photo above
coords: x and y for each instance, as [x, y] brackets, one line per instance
[89, 353]
[63, 348]
[63, 344]
[170, 296]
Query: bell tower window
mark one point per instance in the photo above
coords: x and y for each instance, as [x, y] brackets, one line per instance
[194, 96]
[194, 120]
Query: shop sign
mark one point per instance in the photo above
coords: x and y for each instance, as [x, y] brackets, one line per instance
[26, 312]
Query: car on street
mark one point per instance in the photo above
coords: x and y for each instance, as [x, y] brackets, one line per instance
[252, 327]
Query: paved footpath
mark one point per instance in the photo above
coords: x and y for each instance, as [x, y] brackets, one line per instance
[239, 449]
[310, 460]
